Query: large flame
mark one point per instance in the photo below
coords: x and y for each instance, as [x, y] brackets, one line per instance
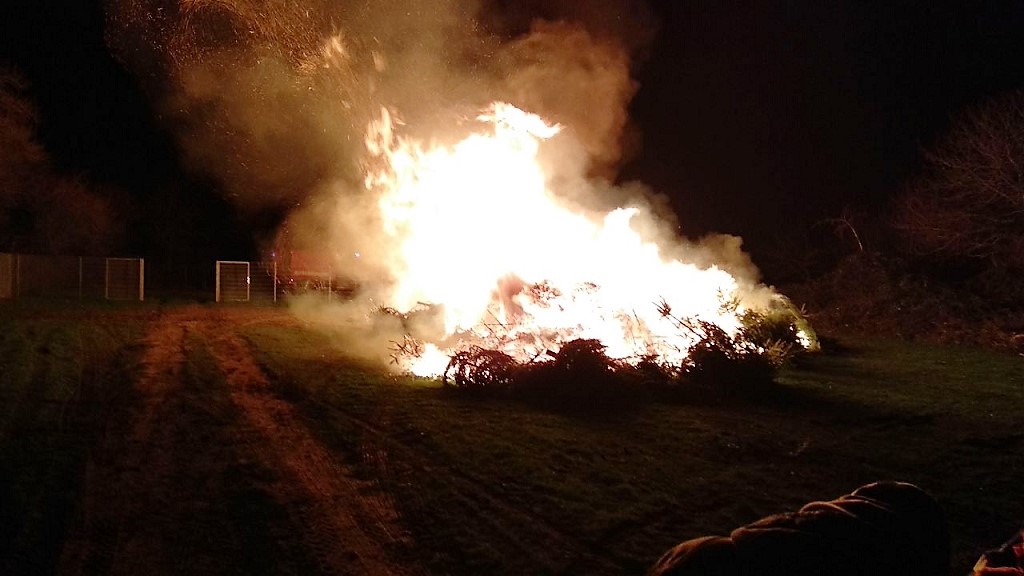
[483, 239]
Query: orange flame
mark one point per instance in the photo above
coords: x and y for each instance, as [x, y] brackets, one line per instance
[481, 236]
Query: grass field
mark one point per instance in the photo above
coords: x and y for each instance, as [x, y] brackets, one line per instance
[484, 486]
[63, 372]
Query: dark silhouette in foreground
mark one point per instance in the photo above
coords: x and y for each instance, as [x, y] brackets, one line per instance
[1007, 560]
[882, 529]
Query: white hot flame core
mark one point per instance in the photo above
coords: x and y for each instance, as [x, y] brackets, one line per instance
[480, 235]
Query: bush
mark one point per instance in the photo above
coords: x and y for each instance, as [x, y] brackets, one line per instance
[478, 369]
[873, 295]
[765, 329]
[729, 364]
[579, 376]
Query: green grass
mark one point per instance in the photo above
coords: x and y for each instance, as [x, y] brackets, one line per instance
[490, 486]
[62, 370]
[948, 418]
[502, 487]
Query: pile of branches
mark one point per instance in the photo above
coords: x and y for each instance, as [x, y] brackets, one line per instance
[581, 374]
[478, 368]
[749, 360]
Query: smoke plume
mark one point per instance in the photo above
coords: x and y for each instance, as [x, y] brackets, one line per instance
[273, 98]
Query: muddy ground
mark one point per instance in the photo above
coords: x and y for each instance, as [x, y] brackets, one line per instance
[205, 474]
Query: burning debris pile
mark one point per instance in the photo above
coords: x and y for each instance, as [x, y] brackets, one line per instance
[581, 369]
[512, 275]
[480, 208]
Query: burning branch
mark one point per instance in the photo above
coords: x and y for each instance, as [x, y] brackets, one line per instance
[408, 347]
[479, 368]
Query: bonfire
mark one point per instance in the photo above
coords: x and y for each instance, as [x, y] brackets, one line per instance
[506, 270]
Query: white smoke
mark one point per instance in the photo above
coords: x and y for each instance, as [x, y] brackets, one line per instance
[272, 98]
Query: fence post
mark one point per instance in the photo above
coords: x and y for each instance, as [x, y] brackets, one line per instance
[142, 279]
[216, 283]
[275, 280]
[7, 275]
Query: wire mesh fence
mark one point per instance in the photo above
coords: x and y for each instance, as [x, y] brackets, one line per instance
[124, 279]
[264, 283]
[109, 278]
[256, 281]
[38, 275]
[232, 281]
[6, 275]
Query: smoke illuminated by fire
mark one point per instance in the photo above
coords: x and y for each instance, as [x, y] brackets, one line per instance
[481, 236]
[508, 230]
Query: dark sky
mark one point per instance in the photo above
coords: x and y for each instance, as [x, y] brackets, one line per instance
[94, 119]
[756, 113]
[753, 115]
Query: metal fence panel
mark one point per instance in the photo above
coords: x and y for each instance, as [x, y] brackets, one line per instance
[125, 279]
[45, 275]
[233, 281]
[7, 275]
[263, 285]
[37, 275]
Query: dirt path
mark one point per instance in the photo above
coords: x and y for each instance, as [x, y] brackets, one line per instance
[346, 522]
[208, 472]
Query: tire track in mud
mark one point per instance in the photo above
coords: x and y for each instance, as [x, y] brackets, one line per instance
[522, 532]
[526, 533]
[178, 486]
[132, 460]
[348, 524]
[203, 471]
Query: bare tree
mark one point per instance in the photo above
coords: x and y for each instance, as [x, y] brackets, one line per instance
[968, 203]
[18, 121]
[844, 228]
[22, 161]
[40, 209]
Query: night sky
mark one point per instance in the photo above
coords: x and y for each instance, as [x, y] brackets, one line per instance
[754, 117]
[789, 111]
